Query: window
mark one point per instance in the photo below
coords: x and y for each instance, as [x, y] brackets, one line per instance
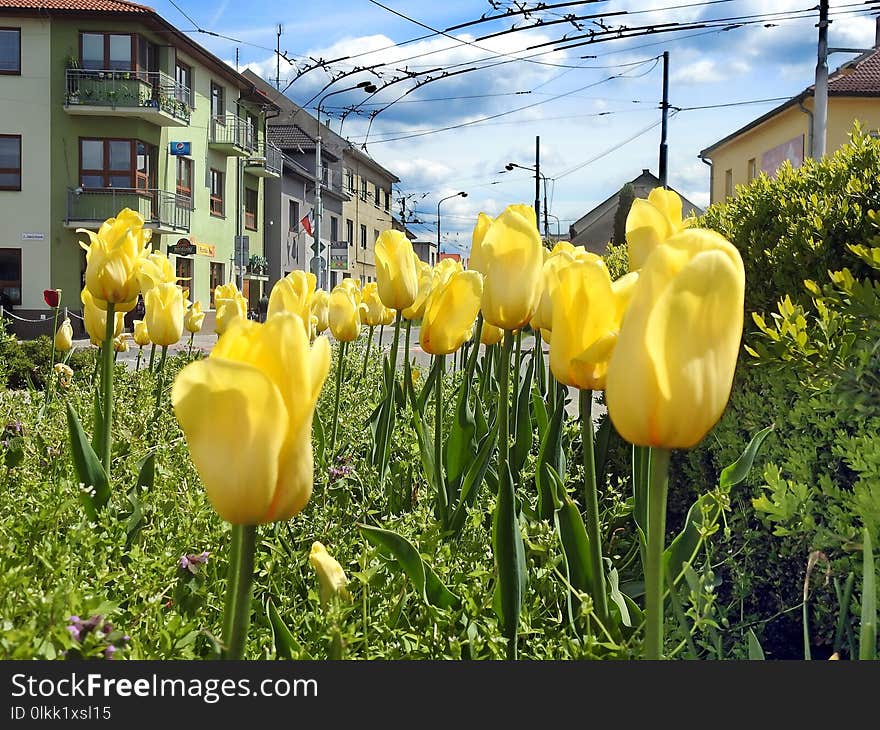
[334, 229]
[106, 51]
[363, 236]
[185, 178]
[217, 193]
[728, 183]
[387, 200]
[375, 236]
[10, 275]
[349, 231]
[183, 269]
[250, 208]
[349, 180]
[10, 162]
[218, 105]
[10, 51]
[216, 275]
[293, 215]
[363, 189]
[752, 169]
[116, 163]
[183, 78]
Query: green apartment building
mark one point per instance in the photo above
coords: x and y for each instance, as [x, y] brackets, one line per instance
[106, 105]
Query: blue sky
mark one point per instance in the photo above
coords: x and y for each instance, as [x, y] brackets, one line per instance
[594, 115]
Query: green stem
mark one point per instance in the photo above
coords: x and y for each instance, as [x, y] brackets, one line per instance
[516, 373]
[339, 366]
[190, 352]
[367, 352]
[503, 398]
[239, 585]
[160, 382]
[152, 356]
[140, 352]
[442, 496]
[50, 380]
[591, 505]
[538, 354]
[107, 382]
[657, 489]
[394, 347]
[98, 360]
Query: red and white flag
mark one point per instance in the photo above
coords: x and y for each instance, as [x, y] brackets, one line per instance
[307, 221]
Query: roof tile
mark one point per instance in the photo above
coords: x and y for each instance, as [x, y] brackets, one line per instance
[118, 6]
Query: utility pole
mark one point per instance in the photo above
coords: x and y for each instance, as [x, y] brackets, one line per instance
[278, 57]
[316, 259]
[236, 58]
[538, 181]
[820, 110]
[546, 222]
[664, 106]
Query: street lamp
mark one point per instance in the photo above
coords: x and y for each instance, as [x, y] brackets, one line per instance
[370, 88]
[557, 225]
[510, 165]
[448, 197]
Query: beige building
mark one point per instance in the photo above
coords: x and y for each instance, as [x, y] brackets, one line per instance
[784, 134]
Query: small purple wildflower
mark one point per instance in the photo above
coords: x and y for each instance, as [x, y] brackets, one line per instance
[339, 472]
[109, 651]
[192, 563]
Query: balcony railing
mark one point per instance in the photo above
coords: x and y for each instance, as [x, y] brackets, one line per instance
[266, 161]
[228, 130]
[127, 90]
[163, 211]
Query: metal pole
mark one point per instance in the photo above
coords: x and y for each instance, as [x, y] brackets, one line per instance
[278, 58]
[239, 181]
[664, 106]
[546, 222]
[538, 180]
[820, 110]
[316, 259]
[438, 226]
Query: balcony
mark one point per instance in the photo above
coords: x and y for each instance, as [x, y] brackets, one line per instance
[232, 136]
[163, 212]
[152, 96]
[266, 162]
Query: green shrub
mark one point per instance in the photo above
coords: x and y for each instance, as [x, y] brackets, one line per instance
[27, 362]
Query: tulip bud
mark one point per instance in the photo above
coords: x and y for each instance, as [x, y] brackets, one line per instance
[320, 306]
[294, 294]
[372, 311]
[155, 269]
[229, 305]
[64, 373]
[343, 313]
[650, 222]
[64, 336]
[396, 273]
[331, 577]
[194, 318]
[670, 375]
[95, 319]
[476, 260]
[246, 412]
[164, 317]
[141, 333]
[450, 312]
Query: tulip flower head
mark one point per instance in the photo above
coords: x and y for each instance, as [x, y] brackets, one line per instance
[559, 258]
[396, 273]
[426, 281]
[155, 269]
[64, 336]
[650, 222]
[114, 258]
[490, 334]
[95, 319]
[194, 318]
[52, 297]
[331, 577]
[388, 316]
[513, 260]
[246, 412]
[476, 261]
[120, 343]
[670, 375]
[141, 334]
[164, 317]
[229, 305]
[294, 294]
[343, 313]
[64, 373]
[450, 312]
[320, 306]
[372, 311]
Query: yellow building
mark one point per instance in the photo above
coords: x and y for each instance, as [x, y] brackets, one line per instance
[784, 133]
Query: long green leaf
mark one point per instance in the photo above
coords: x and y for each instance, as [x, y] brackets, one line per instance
[702, 516]
[462, 441]
[147, 472]
[736, 472]
[756, 653]
[428, 387]
[524, 429]
[89, 470]
[98, 419]
[600, 448]
[542, 418]
[286, 646]
[548, 498]
[868, 631]
[509, 556]
[319, 436]
[473, 479]
[421, 574]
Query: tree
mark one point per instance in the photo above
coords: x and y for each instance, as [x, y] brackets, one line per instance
[624, 202]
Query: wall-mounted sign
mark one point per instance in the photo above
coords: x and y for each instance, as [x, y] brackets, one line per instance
[179, 148]
[183, 247]
[339, 255]
[792, 150]
[33, 236]
[206, 249]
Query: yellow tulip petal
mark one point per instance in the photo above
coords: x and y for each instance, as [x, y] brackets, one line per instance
[646, 228]
[450, 313]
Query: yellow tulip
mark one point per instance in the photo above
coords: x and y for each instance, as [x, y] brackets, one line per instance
[141, 334]
[586, 321]
[490, 334]
[294, 294]
[229, 304]
[246, 412]
[426, 281]
[476, 259]
[372, 311]
[194, 318]
[396, 272]
[671, 373]
[331, 576]
[650, 222]
[164, 317]
[388, 316]
[155, 269]
[513, 261]
[320, 306]
[113, 260]
[95, 319]
[450, 312]
[64, 336]
[64, 373]
[444, 269]
[343, 313]
[120, 343]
